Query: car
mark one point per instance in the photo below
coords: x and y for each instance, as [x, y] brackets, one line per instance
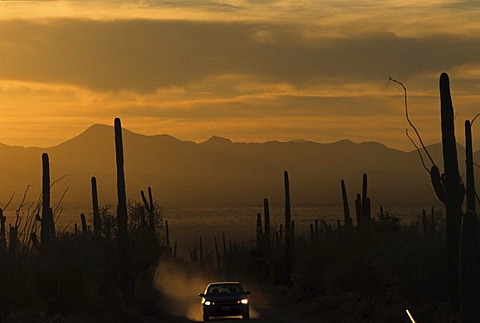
[225, 299]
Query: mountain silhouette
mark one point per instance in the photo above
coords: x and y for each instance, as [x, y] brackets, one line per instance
[219, 172]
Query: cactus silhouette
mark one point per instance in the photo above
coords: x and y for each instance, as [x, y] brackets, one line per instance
[126, 280]
[288, 229]
[259, 230]
[470, 187]
[362, 208]
[469, 267]
[266, 213]
[449, 187]
[46, 226]
[84, 225]
[150, 207]
[97, 223]
[469, 280]
[167, 237]
[346, 209]
[3, 238]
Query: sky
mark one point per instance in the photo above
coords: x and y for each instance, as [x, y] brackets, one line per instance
[248, 70]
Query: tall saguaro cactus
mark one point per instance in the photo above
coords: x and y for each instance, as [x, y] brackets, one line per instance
[3, 238]
[449, 188]
[259, 231]
[125, 276]
[346, 208]
[469, 279]
[288, 230]
[363, 209]
[150, 206]
[470, 189]
[97, 223]
[47, 217]
[266, 211]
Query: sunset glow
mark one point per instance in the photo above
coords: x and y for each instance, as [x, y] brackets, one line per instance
[249, 71]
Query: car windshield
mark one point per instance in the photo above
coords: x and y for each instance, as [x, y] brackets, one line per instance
[225, 289]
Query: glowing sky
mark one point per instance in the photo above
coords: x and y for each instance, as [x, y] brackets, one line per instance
[246, 70]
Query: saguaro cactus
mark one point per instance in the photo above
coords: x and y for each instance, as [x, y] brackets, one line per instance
[149, 205]
[362, 207]
[366, 210]
[84, 225]
[469, 267]
[259, 231]
[3, 238]
[266, 213]
[167, 237]
[46, 226]
[97, 222]
[470, 189]
[125, 276]
[469, 282]
[288, 229]
[346, 209]
[449, 187]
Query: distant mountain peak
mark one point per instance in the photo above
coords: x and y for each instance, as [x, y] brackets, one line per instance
[299, 141]
[216, 140]
[345, 141]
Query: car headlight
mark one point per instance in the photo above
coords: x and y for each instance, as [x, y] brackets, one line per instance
[244, 301]
[209, 303]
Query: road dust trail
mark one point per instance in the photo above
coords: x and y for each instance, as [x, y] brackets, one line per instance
[181, 286]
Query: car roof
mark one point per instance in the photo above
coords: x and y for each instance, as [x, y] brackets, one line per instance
[223, 283]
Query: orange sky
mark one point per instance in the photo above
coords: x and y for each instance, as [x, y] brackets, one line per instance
[246, 70]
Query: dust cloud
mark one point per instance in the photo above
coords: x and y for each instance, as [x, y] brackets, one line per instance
[181, 286]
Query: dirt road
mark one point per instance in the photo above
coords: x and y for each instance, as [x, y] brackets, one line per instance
[263, 308]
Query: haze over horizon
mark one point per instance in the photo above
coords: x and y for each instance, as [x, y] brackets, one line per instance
[221, 138]
[212, 137]
[248, 71]
[220, 173]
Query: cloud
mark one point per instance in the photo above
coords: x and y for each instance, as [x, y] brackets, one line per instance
[144, 55]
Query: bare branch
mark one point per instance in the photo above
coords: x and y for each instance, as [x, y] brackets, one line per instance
[59, 202]
[66, 227]
[473, 120]
[22, 204]
[418, 151]
[58, 180]
[9, 201]
[409, 121]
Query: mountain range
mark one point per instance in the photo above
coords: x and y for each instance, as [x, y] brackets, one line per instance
[219, 172]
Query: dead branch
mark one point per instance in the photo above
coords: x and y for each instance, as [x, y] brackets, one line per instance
[9, 201]
[473, 120]
[57, 207]
[418, 151]
[58, 180]
[22, 204]
[408, 118]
